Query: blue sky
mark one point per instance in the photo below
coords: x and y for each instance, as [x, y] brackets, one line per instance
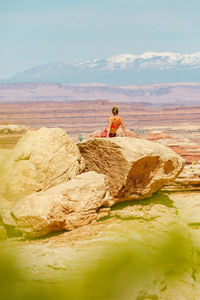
[34, 32]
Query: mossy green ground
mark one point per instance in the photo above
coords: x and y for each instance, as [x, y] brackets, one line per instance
[148, 249]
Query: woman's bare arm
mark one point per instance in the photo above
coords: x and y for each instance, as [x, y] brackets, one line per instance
[123, 127]
[109, 126]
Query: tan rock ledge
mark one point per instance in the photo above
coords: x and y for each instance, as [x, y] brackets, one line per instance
[134, 168]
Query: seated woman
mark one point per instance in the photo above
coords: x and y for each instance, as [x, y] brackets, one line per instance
[114, 123]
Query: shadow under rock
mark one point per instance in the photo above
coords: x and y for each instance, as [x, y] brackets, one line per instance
[157, 198]
[43, 237]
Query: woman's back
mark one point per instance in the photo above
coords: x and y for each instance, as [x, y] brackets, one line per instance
[115, 123]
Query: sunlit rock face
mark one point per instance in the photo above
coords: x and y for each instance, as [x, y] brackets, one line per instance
[41, 159]
[134, 168]
[65, 206]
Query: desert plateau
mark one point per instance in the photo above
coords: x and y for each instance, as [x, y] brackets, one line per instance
[74, 211]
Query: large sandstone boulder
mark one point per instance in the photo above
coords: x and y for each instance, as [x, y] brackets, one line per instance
[135, 168]
[41, 159]
[65, 206]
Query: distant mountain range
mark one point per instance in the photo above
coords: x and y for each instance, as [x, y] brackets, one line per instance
[127, 69]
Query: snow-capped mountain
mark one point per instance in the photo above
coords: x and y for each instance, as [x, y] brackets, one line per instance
[147, 68]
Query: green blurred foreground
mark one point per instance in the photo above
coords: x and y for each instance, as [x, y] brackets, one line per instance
[126, 270]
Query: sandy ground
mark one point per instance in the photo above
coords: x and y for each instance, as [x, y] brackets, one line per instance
[67, 253]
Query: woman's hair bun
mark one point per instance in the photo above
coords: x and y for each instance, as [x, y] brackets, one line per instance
[115, 110]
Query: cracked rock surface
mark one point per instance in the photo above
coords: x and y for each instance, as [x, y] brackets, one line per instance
[134, 168]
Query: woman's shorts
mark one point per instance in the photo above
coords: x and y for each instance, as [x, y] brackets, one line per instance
[112, 134]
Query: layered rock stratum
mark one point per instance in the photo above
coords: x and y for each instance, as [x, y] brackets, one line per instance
[185, 145]
[164, 93]
[89, 116]
[188, 179]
